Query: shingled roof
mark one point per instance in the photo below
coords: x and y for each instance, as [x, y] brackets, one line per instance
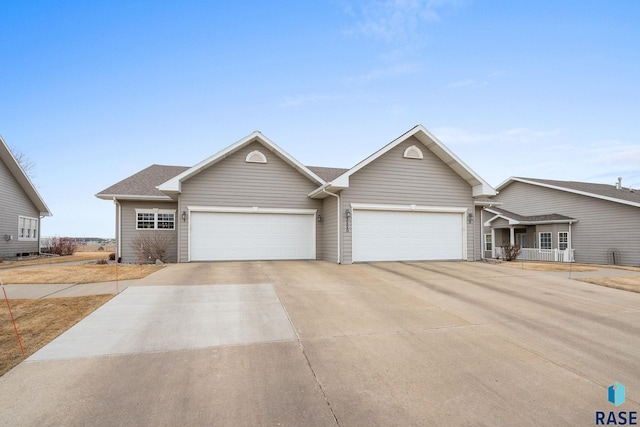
[328, 174]
[623, 195]
[530, 219]
[142, 185]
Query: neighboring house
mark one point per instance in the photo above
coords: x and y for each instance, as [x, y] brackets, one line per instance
[411, 200]
[21, 208]
[565, 220]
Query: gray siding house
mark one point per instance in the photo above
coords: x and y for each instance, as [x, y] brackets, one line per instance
[411, 200]
[566, 220]
[21, 208]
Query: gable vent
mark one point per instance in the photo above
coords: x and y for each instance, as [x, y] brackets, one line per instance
[256, 157]
[412, 152]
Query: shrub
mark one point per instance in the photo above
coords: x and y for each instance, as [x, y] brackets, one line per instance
[152, 245]
[511, 252]
[63, 246]
[112, 256]
[102, 261]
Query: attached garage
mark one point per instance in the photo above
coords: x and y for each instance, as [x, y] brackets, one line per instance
[231, 234]
[408, 233]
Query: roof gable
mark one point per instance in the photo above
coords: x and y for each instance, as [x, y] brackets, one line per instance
[480, 186]
[174, 185]
[607, 192]
[23, 180]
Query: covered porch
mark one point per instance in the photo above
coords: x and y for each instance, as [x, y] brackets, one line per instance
[539, 237]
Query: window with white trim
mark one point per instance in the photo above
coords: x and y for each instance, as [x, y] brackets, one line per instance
[488, 242]
[27, 228]
[563, 240]
[545, 240]
[155, 219]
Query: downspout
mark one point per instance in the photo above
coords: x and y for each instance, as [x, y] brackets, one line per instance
[40, 234]
[118, 228]
[338, 218]
[482, 238]
[473, 252]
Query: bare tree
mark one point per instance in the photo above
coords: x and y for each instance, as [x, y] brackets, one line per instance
[25, 162]
[152, 245]
[62, 246]
[511, 252]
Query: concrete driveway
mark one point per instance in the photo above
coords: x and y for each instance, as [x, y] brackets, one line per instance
[320, 344]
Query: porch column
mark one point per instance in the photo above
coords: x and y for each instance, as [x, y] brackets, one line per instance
[493, 242]
[569, 245]
[512, 236]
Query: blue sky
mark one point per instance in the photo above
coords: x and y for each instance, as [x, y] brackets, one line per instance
[92, 92]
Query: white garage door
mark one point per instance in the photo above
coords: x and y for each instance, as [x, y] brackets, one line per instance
[228, 236]
[380, 235]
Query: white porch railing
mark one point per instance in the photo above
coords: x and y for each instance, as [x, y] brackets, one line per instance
[549, 255]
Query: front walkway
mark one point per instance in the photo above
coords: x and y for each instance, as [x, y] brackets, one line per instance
[39, 291]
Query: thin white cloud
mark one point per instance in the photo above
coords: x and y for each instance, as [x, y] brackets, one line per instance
[544, 154]
[396, 21]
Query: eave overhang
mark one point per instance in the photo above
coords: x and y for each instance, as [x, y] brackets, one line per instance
[323, 191]
[133, 197]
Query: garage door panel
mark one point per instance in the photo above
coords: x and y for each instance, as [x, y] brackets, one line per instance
[406, 236]
[226, 236]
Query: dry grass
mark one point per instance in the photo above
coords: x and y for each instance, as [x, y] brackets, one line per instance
[39, 322]
[548, 266]
[50, 260]
[77, 274]
[631, 284]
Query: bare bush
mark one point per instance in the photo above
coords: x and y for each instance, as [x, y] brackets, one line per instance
[511, 252]
[152, 245]
[62, 246]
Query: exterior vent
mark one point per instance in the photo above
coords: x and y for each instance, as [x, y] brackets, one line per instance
[412, 152]
[256, 157]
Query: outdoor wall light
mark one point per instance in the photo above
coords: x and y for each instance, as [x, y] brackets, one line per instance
[184, 216]
[319, 218]
[347, 217]
[470, 217]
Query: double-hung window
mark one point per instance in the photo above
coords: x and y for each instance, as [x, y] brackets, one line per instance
[155, 219]
[488, 242]
[545, 240]
[563, 240]
[27, 228]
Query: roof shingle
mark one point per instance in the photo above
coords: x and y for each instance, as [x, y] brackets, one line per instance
[603, 190]
[143, 183]
[328, 174]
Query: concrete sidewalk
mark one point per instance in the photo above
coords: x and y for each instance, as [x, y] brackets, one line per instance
[39, 291]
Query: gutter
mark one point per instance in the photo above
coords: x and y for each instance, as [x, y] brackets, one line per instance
[338, 223]
[118, 229]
